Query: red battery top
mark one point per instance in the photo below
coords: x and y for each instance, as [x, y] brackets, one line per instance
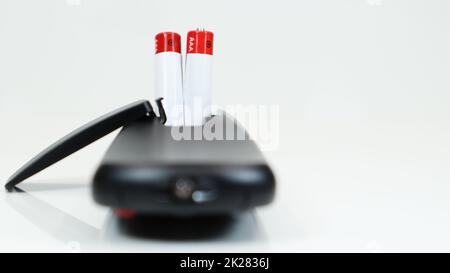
[167, 42]
[200, 41]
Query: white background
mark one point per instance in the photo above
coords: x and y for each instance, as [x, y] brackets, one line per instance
[364, 134]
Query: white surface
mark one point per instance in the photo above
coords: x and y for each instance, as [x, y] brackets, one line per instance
[362, 86]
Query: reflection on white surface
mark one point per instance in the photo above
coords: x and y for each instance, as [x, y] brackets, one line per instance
[147, 233]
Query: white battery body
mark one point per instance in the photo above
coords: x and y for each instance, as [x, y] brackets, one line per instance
[169, 77]
[197, 86]
[197, 89]
[169, 86]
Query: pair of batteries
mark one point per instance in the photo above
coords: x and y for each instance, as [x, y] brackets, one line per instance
[187, 97]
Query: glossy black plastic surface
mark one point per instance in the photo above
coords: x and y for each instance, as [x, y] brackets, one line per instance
[80, 138]
[148, 171]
